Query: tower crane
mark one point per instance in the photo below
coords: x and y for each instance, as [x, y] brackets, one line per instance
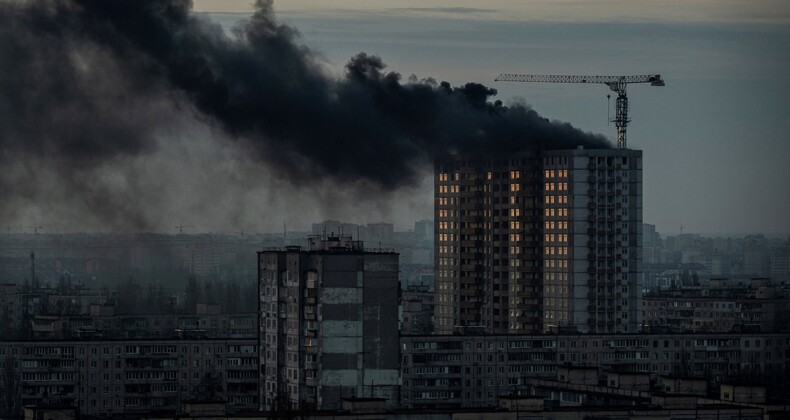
[181, 228]
[35, 229]
[616, 83]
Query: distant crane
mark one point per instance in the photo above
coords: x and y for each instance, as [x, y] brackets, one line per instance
[181, 228]
[616, 84]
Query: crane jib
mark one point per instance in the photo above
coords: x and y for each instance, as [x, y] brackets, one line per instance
[615, 83]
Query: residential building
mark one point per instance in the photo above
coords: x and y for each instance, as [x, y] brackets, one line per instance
[532, 242]
[116, 377]
[592, 267]
[417, 306]
[454, 371]
[328, 324]
[488, 231]
[720, 307]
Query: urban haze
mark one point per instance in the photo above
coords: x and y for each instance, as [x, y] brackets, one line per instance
[403, 209]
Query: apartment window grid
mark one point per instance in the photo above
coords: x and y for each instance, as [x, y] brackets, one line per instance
[610, 220]
[448, 188]
[557, 290]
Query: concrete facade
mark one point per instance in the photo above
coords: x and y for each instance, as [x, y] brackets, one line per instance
[114, 377]
[719, 307]
[488, 235]
[534, 242]
[593, 240]
[474, 370]
[329, 324]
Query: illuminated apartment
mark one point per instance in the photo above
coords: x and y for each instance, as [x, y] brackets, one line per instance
[530, 242]
[488, 224]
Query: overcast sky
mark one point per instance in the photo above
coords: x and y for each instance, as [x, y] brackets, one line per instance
[763, 11]
[715, 138]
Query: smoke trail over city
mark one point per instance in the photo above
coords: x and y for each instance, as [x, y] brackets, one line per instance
[87, 85]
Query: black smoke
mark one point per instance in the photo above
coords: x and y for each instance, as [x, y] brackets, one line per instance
[84, 82]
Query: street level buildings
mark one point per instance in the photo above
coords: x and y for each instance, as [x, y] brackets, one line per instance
[454, 371]
[116, 377]
[719, 306]
[329, 324]
[533, 242]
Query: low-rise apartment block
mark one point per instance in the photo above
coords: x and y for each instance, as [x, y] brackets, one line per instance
[759, 306]
[474, 371]
[113, 377]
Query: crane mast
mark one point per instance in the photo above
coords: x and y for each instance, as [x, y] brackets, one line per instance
[616, 83]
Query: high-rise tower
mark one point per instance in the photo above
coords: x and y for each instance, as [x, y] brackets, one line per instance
[592, 242]
[530, 242]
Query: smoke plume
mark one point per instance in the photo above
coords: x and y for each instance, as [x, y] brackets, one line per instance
[88, 87]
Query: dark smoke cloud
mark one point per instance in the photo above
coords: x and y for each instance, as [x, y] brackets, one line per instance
[84, 83]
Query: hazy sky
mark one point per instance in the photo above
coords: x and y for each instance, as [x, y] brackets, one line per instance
[715, 138]
[763, 11]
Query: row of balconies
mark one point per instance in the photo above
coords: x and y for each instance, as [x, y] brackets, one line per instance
[595, 295]
[606, 193]
[594, 165]
[593, 179]
[592, 230]
[592, 205]
[606, 244]
[593, 270]
[601, 218]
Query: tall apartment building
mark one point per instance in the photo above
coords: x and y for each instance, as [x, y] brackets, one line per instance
[329, 324]
[531, 242]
